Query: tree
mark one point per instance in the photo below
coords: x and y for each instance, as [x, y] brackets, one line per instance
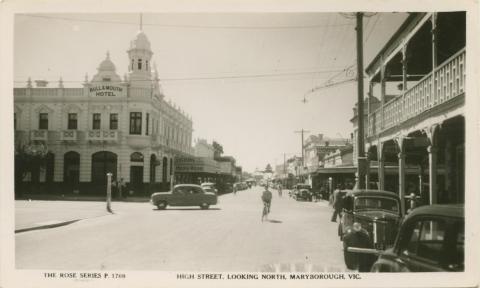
[217, 149]
[268, 169]
[29, 158]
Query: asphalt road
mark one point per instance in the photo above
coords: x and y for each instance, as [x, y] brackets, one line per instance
[228, 237]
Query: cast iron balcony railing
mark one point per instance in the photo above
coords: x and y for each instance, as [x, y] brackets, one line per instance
[68, 135]
[445, 83]
[39, 135]
[102, 135]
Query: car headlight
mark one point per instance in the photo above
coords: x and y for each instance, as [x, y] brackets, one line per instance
[357, 227]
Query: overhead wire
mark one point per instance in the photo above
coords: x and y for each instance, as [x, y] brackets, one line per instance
[330, 82]
[184, 26]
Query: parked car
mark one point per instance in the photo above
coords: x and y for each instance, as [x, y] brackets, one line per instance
[303, 192]
[184, 195]
[431, 239]
[370, 219]
[210, 185]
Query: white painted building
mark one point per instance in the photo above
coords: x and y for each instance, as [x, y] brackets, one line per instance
[123, 126]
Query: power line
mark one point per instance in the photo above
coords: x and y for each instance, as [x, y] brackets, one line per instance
[373, 27]
[329, 82]
[188, 26]
[329, 85]
[221, 77]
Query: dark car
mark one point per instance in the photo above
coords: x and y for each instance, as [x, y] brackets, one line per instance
[370, 219]
[431, 239]
[184, 195]
[303, 192]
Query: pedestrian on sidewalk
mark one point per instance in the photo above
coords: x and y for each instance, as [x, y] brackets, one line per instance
[336, 203]
[280, 190]
[121, 186]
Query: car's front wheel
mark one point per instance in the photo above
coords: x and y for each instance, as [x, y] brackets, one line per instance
[161, 205]
[204, 206]
[351, 259]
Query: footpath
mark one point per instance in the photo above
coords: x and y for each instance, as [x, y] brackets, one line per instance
[46, 211]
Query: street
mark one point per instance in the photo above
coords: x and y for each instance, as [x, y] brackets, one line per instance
[228, 237]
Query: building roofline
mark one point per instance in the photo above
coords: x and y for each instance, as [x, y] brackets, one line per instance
[411, 17]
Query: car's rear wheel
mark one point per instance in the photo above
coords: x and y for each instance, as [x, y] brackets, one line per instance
[161, 205]
[204, 206]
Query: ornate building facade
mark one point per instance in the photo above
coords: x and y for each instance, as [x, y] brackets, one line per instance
[123, 126]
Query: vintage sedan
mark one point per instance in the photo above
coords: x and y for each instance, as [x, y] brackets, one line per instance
[303, 192]
[184, 195]
[431, 239]
[370, 219]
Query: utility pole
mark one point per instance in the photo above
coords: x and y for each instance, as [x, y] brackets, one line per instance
[361, 160]
[303, 156]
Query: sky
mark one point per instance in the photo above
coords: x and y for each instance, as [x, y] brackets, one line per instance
[241, 76]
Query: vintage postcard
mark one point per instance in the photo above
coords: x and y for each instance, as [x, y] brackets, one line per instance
[223, 143]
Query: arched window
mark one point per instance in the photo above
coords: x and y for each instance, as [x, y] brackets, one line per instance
[146, 64]
[136, 157]
[133, 62]
[139, 64]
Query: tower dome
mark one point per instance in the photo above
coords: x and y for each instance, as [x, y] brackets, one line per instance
[140, 42]
[140, 55]
[106, 71]
[107, 64]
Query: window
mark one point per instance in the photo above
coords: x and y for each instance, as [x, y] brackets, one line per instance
[72, 121]
[136, 123]
[139, 64]
[113, 121]
[14, 121]
[362, 203]
[147, 120]
[133, 62]
[96, 121]
[43, 121]
[146, 64]
[426, 240]
[106, 79]
[136, 157]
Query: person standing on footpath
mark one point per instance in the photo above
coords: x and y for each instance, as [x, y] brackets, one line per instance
[336, 203]
[121, 186]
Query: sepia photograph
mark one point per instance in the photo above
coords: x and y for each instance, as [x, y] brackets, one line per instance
[244, 148]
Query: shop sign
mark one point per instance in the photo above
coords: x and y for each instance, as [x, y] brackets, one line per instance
[106, 90]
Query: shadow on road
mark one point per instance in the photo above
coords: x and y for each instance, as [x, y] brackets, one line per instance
[186, 209]
[274, 221]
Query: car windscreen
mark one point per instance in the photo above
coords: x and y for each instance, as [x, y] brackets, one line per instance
[376, 203]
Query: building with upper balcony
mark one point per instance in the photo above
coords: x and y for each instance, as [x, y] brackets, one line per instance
[316, 148]
[203, 167]
[122, 126]
[423, 125]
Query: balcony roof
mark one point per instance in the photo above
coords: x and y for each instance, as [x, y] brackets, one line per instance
[393, 41]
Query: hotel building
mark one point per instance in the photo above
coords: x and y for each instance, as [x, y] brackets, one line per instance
[123, 126]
